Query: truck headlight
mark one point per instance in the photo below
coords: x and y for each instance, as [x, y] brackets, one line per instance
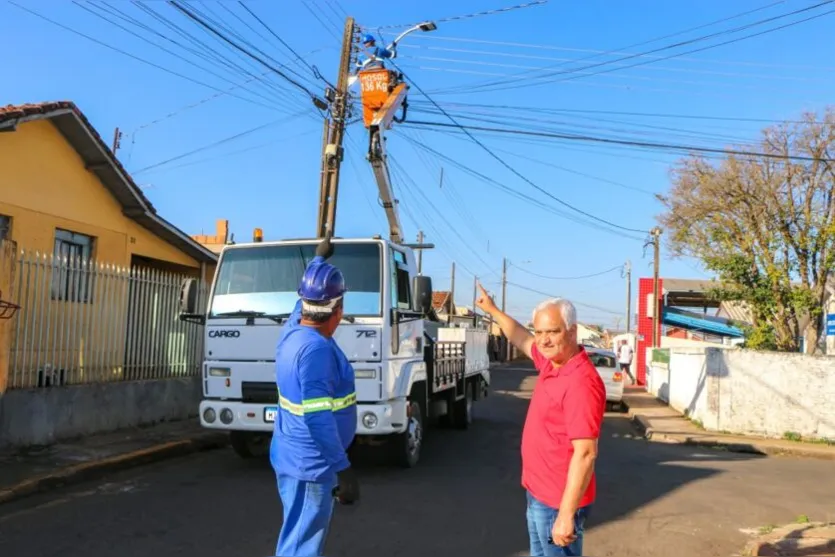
[219, 372]
[369, 420]
[365, 373]
[209, 415]
[226, 416]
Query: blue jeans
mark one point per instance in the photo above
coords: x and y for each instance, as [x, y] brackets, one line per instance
[308, 508]
[541, 520]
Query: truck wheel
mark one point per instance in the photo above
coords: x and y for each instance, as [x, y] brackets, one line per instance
[462, 410]
[249, 444]
[406, 446]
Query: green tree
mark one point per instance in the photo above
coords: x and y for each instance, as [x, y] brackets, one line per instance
[765, 225]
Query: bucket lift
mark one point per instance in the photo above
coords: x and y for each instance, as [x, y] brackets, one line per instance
[383, 93]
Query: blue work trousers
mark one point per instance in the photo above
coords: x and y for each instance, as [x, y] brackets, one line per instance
[308, 508]
[541, 520]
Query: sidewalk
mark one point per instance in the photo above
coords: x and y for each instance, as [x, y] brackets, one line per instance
[28, 471]
[658, 422]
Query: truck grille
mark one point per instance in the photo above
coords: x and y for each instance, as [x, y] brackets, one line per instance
[259, 392]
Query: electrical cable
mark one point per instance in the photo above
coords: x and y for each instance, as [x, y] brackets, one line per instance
[506, 165]
[514, 193]
[540, 292]
[530, 81]
[214, 31]
[607, 271]
[647, 144]
[468, 16]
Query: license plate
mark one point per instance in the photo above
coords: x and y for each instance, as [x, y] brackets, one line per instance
[269, 413]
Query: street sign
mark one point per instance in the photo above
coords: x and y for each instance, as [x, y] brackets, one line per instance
[830, 324]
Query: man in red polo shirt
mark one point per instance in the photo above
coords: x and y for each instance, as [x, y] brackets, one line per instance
[559, 440]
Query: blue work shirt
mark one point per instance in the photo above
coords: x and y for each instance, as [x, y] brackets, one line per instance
[317, 415]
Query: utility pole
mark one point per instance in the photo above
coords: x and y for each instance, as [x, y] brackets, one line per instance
[504, 300]
[420, 252]
[117, 136]
[451, 296]
[656, 319]
[628, 268]
[475, 297]
[334, 133]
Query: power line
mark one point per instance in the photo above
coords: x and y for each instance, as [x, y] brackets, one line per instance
[137, 58]
[232, 43]
[590, 306]
[607, 271]
[515, 83]
[537, 203]
[646, 144]
[469, 16]
[506, 165]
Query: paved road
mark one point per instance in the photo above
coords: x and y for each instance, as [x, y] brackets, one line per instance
[464, 499]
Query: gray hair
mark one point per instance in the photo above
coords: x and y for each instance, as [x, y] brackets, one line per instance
[566, 308]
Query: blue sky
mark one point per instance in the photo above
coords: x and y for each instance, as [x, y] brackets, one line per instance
[264, 169]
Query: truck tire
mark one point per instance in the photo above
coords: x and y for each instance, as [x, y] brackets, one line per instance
[462, 410]
[249, 444]
[406, 446]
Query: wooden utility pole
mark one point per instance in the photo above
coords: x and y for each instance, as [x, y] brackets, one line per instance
[505, 340]
[420, 252]
[656, 319]
[475, 297]
[334, 133]
[628, 268]
[451, 296]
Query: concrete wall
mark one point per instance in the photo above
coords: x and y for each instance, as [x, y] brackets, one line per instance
[749, 392]
[46, 415]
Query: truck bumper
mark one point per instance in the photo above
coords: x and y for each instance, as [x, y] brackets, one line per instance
[372, 419]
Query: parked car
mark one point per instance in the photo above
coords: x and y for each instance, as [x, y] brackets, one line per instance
[606, 363]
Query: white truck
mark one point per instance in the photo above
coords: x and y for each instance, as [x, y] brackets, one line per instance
[410, 369]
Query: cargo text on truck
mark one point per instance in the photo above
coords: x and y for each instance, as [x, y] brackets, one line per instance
[410, 370]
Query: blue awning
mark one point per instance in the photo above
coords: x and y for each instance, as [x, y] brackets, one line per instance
[704, 325]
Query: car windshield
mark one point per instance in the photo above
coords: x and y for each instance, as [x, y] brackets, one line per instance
[265, 279]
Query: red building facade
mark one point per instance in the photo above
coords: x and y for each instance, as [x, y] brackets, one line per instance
[644, 325]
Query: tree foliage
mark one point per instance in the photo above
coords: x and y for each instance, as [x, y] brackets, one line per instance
[765, 224]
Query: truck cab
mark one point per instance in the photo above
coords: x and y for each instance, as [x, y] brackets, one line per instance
[387, 335]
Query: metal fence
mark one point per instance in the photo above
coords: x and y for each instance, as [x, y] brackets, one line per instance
[84, 321]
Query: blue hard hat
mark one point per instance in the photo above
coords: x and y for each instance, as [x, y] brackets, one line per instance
[368, 38]
[321, 282]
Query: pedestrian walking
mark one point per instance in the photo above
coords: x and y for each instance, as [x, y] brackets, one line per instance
[317, 417]
[559, 439]
[625, 354]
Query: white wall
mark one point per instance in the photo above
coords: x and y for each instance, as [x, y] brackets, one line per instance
[749, 392]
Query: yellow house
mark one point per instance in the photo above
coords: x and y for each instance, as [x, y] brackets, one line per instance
[92, 266]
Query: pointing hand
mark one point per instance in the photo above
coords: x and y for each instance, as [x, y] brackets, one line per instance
[484, 302]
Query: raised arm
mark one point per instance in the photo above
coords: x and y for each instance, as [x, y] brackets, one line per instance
[515, 332]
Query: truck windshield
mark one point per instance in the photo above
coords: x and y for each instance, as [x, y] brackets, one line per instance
[266, 278]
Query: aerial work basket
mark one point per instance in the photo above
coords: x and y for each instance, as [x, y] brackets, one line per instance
[375, 86]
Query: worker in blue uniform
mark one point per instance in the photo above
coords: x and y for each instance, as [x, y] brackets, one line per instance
[376, 54]
[317, 416]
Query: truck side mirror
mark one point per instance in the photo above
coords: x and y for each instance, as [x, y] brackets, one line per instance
[188, 296]
[422, 300]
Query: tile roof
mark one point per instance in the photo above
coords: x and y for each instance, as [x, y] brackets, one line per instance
[439, 299]
[99, 158]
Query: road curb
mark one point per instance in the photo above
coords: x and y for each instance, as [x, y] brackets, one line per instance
[98, 468]
[644, 428]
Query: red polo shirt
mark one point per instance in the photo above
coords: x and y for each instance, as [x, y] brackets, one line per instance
[568, 403]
